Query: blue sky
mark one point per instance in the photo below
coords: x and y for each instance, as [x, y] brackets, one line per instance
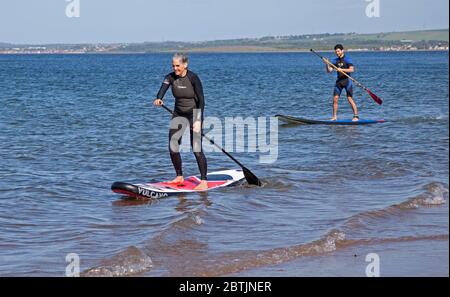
[45, 21]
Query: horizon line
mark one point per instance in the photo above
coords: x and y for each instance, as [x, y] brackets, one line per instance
[227, 39]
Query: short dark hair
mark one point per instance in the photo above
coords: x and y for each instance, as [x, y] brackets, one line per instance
[338, 46]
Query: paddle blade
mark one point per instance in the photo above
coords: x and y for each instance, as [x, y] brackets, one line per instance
[251, 178]
[375, 97]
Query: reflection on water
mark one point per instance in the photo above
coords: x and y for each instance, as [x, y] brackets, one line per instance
[184, 201]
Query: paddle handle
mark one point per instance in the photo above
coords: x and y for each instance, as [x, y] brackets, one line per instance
[340, 70]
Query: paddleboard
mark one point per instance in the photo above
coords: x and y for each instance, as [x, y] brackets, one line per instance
[295, 120]
[158, 190]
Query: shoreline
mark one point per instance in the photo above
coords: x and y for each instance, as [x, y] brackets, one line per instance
[415, 40]
[218, 51]
[416, 258]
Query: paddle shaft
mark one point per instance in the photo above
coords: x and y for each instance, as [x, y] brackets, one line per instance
[372, 95]
[341, 71]
[210, 140]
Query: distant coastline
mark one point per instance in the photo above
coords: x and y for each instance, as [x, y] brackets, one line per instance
[429, 40]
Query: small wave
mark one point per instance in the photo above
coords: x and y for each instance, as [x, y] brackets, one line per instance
[373, 241]
[422, 119]
[278, 184]
[129, 262]
[233, 262]
[435, 194]
[326, 244]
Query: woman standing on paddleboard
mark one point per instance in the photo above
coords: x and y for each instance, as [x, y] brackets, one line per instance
[189, 106]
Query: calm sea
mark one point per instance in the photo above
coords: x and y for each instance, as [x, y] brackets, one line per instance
[73, 124]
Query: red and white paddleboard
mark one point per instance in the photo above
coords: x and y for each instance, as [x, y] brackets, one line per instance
[216, 180]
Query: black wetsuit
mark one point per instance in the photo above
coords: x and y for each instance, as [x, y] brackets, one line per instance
[188, 93]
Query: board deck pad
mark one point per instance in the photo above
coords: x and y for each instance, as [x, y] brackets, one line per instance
[163, 189]
[296, 120]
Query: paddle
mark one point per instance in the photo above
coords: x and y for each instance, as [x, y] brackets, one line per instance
[249, 176]
[374, 97]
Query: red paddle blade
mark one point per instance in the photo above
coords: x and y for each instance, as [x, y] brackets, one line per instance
[375, 97]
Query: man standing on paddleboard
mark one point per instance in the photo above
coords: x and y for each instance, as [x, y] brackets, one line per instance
[344, 63]
[189, 106]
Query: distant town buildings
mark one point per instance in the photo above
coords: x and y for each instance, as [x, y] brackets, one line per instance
[409, 41]
[62, 49]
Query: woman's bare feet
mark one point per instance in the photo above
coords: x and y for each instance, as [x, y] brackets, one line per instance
[203, 186]
[179, 180]
[355, 118]
[333, 119]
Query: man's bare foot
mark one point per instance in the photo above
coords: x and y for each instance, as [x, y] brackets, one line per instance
[203, 186]
[333, 119]
[355, 118]
[179, 180]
